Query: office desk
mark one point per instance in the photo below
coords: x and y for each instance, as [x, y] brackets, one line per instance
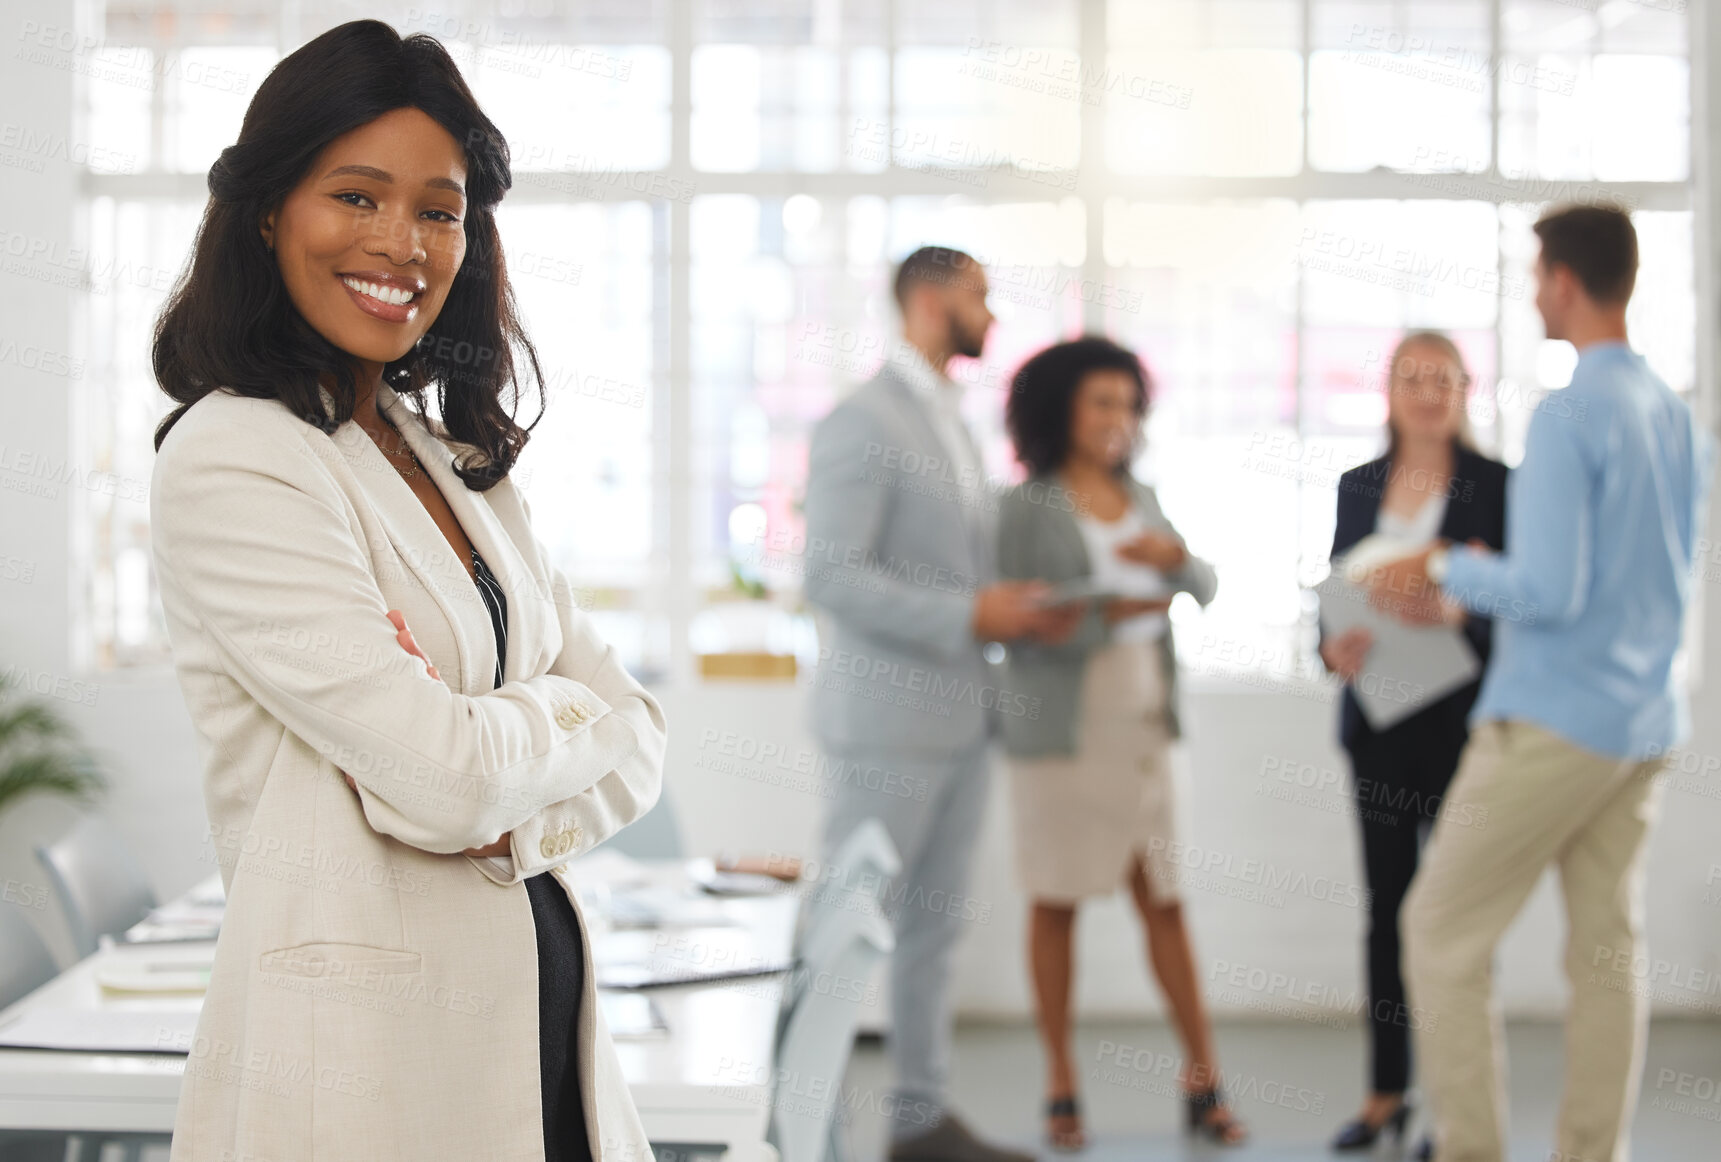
[706, 1081]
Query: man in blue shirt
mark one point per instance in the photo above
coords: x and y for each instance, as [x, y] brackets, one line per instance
[1577, 708]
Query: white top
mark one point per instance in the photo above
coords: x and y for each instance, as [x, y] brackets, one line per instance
[1113, 574]
[1417, 530]
[943, 397]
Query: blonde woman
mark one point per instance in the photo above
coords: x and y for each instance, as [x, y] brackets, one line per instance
[1430, 483]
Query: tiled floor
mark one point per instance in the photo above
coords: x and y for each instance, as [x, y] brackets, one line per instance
[1294, 1085]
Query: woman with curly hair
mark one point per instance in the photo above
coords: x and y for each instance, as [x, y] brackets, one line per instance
[1090, 776]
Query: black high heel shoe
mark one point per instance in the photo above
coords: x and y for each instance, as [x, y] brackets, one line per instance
[1359, 1135]
[1067, 1141]
[1225, 1131]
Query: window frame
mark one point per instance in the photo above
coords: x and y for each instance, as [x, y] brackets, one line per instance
[675, 594]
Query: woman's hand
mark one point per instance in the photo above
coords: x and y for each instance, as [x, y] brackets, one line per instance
[1121, 608]
[1345, 653]
[403, 635]
[1155, 550]
[500, 847]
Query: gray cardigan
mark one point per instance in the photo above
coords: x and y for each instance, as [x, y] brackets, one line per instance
[1038, 538]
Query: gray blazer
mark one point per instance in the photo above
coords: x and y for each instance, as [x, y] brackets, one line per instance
[896, 549]
[1038, 537]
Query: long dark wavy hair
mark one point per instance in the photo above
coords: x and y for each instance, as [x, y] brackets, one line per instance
[1043, 393]
[230, 322]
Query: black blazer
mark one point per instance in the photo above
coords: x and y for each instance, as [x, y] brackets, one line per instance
[1475, 507]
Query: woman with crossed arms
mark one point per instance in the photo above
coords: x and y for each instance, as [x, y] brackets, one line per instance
[383, 666]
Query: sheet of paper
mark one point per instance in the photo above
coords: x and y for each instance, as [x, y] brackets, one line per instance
[102, 1030]
[632, 1016]
[640, 976]
[604, 866]
[1408, 668]
[1371, 553]
[639, 958]
[147, 932]
[163, 974]
[663, 907]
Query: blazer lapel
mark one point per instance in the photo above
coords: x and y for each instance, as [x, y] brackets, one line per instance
[478, 520]
[917, 410]
[1060, 528]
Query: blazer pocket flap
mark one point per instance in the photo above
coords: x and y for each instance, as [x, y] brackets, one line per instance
[336, 960]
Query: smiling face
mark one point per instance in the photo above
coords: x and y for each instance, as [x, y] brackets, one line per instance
[1103, 418]
[370, 240]
[1428, 393]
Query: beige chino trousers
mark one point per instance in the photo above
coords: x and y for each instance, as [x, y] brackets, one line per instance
[1527, 798]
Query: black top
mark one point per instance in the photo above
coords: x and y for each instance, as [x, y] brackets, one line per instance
[1475, 507]
[496, 602]
[561, 960]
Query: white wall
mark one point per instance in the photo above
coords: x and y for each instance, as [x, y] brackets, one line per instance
[37, 594]
[1231, 735]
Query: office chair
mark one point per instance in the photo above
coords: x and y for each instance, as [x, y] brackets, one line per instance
[101, 886]
[654, 835]
[819, 1035]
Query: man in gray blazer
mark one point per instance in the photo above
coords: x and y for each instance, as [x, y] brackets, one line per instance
[899, 563]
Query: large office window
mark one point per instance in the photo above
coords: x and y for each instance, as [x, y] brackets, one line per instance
[1260, 196]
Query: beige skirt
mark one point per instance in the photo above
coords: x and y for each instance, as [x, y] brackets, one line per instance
[1082, 820]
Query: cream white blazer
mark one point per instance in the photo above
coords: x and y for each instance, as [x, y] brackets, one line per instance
[375, 992]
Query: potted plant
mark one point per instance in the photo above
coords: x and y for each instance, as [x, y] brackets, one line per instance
[39, 751]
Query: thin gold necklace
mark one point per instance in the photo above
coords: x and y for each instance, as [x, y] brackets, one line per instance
[417, 468]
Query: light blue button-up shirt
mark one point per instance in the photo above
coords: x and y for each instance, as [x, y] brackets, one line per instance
[1589, 597]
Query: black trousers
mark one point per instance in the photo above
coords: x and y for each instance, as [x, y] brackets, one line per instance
[561, 976]
[1399, 779]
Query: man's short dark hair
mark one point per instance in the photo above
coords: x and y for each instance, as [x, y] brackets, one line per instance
[936, 265]
[1598, 243]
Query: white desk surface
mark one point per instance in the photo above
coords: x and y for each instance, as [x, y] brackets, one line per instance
[707, 1080]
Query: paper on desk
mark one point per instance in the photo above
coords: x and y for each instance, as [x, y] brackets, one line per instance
[134, 975]
[149, 932]
[664, 907]
[605, 866]
[639, 958]
[704, 872]
[102, 1030]
[1408, 667]
[210, 891]
[632, 1016]
[622, 975]
[196, 915]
